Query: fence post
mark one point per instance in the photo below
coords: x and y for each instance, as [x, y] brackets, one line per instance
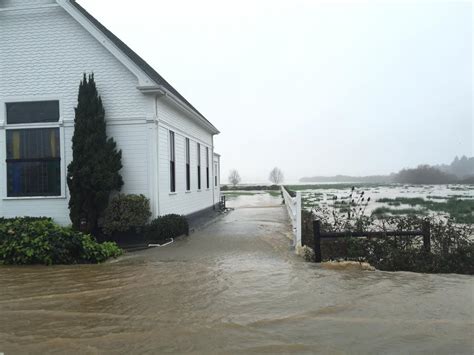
[298, 219]
[317, 241]
[426, 236]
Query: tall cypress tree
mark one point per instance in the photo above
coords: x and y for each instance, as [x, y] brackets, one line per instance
[94, 171]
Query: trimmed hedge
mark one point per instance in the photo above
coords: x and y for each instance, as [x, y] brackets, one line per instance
[27, 241]
[166, 227]
[125, 213]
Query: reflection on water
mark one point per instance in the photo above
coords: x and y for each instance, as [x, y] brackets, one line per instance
[235, 286]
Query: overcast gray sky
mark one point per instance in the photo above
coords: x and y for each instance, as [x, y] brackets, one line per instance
[314, 87]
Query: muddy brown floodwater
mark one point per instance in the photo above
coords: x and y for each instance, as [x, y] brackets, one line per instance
[233, 287]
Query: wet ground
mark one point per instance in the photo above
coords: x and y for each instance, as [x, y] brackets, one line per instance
[232, 287]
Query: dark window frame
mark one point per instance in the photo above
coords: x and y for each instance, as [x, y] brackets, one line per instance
[172, 161]
[188, 166]
[199, 165]
[36, 171]
[207, 168]
[32, 112]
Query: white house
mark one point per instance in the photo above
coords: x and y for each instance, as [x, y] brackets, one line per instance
[167, 145]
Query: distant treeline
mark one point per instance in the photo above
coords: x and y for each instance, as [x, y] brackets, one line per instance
[347, 178]
[424, 174]
[460, 171]
[461, 167]
[250, 188]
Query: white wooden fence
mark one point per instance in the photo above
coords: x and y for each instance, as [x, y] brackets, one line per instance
[293, 206]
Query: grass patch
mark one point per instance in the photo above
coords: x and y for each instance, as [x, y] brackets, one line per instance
[274, 193]
[412, 201]
[383, 211]
[462, 210]
[461, 196]
[333, 186]
[239, 193]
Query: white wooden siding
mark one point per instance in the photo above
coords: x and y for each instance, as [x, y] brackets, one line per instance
[178, 121]
[44, 53]
[182, 201]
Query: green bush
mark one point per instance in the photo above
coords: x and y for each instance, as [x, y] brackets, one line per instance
[27, 241]
[126, 212]
[168, 226]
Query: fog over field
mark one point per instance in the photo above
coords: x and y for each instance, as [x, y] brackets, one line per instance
[314, 87]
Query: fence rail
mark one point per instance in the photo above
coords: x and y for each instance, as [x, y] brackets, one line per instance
[318, 236]
[293, 206]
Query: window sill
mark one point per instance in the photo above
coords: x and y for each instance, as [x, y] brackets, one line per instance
[199, 190]
[187, 191]
[173, 193]
[34, 198]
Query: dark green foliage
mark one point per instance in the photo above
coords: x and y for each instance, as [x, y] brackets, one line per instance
[25, 219]
[94, 170]
[412, 201]
[126, 212]
[166, 227]
[383, 211]
[290, 191]
[27, 241]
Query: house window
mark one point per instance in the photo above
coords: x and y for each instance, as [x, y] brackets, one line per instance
[199, 165]
[207, 167]
[172, 163]
[188, 167]
[215, 176]
[32, 112]
[33, 154]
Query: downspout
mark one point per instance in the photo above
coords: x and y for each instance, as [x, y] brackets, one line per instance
[157, 135]
[212, 175]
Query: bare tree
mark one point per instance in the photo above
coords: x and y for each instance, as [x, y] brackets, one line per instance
[276, 176]
[234, 177]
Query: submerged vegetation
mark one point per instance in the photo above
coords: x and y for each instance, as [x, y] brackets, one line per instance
[457, 202]
[383, 211]
[256, 191]
[239, 193]
[461, 210]
[451, 220]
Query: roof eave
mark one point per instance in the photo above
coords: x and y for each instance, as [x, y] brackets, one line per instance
[141, 65]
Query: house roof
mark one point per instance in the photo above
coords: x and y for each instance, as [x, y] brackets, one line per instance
[140, 62]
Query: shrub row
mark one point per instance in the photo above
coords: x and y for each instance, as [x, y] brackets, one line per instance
[129, 215]
[166, 227]
[126, 212]
[25, 241]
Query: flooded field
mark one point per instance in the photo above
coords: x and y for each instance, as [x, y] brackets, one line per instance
[455, 201]
[234, 287]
